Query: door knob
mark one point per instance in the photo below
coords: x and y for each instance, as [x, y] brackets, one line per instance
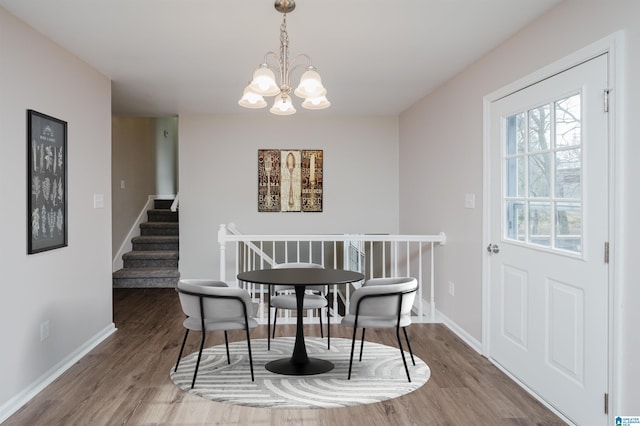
[493, 248]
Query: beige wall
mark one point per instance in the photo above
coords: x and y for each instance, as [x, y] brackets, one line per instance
[71, 286]
[133, 153]
[441, 159]
[166, 155]
[218, 178]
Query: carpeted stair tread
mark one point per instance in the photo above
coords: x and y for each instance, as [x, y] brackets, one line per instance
[151, 254]
[159, 228]
[146, 273]
[159, 225]
[162, 204]
[162, 215]
[157, 239]
[156, 242]
[151, 259]
[161, 211]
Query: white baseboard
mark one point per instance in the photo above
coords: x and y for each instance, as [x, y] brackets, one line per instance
[475, 344]
[15, 403]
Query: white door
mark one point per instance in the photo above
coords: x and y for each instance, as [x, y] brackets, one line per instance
[548, 226]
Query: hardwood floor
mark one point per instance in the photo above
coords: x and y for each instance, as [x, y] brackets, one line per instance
[125, 381]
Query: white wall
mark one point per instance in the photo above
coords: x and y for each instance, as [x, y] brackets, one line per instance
[166, 145]
[71, 286]
[133, 160]
[441, 159]
[218, 178]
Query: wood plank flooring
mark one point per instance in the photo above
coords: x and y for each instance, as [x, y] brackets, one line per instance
[125, 381]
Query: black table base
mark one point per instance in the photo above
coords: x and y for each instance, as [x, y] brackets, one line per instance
[287, 366]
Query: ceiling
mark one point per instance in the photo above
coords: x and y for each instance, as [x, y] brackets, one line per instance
[168, 57]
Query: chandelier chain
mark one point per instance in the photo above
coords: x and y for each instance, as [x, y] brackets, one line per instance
[284, 54]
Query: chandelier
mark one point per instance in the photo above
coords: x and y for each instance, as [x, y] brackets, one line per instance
[264, 81]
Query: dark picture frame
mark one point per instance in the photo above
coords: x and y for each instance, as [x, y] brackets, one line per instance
[46, 182]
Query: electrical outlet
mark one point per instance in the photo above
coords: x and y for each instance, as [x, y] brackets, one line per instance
[452, 290]
[44, 330]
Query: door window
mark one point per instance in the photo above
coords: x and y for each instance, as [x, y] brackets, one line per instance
[542, 160]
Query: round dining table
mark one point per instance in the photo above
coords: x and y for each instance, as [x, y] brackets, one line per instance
[299, 364]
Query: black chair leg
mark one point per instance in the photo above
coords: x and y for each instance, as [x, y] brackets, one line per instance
[404, 360]
[353, 345]
[275, 318]
[269, 325]
[226, 343]
[404, 329]
[361, 344]
[181, 349]
[328, 329]
[246, 328]
[195, 373]
[320, 316]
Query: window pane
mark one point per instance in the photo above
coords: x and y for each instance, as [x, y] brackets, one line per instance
[569, 227]
[515, 223]
[539, 173]
[540, 224]
[568, 125]
[515, 177]
[568, 174]
[539, 128]
[515, 134]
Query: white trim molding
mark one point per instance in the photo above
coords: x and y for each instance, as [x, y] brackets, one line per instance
[613, 45]
[15, 403]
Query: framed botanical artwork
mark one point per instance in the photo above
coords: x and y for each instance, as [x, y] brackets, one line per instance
[46, 182]
[290, 180]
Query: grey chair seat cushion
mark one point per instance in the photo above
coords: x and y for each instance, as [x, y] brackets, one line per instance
[228, 324]
[288, 301]
[365, 321]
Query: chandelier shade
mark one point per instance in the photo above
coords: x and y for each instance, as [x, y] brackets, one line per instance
[282, 105]
[265, 83]
[320, 102]
[310, 85]
[250, 99]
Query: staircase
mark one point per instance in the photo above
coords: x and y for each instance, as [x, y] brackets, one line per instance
[153, 262]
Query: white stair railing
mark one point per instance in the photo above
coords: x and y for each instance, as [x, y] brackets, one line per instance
[373, 255]
[176, 203]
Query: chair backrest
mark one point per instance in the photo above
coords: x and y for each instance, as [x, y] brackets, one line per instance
[286, 265]
[219, 301]
[380, 296]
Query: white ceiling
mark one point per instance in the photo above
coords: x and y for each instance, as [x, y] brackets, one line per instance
[376, 57]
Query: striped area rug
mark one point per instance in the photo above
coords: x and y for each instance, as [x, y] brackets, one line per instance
[378, 377]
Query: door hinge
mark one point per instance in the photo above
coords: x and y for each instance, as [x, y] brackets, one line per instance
[606, 252]
[606, 100]
[606, 403]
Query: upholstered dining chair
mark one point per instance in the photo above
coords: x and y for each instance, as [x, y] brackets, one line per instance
[382, 303]
[284, 297]
[212, 306]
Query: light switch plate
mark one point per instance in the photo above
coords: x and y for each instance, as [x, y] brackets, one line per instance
[469, 201]
[98, 201]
